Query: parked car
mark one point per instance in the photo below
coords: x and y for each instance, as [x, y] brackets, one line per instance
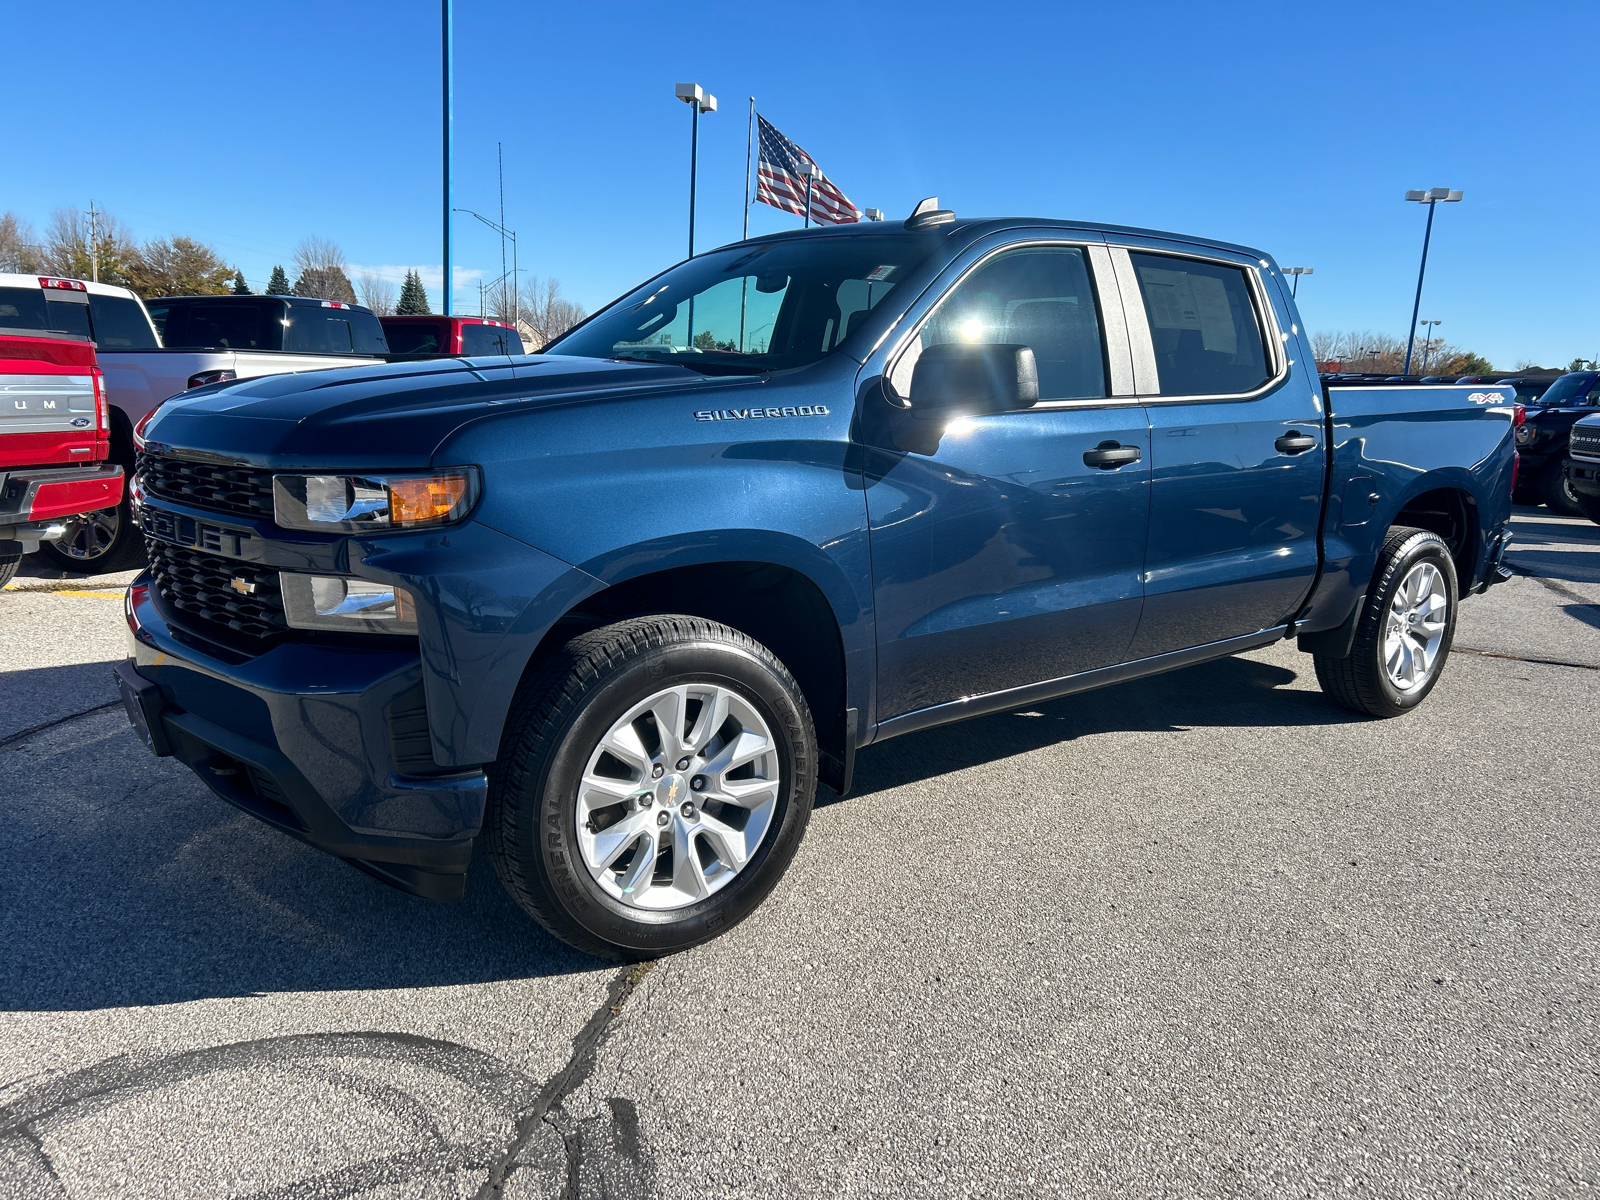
[1583, 465]
[207, 339]
[55, 439]
[620, 606]
[1542, 441]
[415, 336]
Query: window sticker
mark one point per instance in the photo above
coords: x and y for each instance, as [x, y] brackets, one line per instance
[879, 274]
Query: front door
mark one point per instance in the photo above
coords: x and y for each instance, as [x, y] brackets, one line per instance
[1236, 449]
[1001, 555]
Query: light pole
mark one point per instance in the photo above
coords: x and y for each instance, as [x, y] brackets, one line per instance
[1430, 197]
[1427, 342]
[1294, 289]
[447, 40]
[515, 273]
[699, 102]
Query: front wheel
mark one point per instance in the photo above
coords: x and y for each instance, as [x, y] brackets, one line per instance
[1556, 491]
[1405, 630]
[654, 782]
[1588, 505]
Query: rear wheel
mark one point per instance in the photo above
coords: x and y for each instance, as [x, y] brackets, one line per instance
[1403, 635]
[654, 782]
[1556, 491]
[8, 567]
[98, 543]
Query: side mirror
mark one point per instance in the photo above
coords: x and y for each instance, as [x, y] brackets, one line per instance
[957, 379]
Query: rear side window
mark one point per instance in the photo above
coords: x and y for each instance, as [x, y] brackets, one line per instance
[1040, 297]
[119, 324]
[22, 308]
[366, 333]
[488, 339]
[1203, 326]
[220, 327]
[413, 338]
[318, 331]
[67, 317]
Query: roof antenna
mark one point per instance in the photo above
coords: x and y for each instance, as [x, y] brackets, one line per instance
[928, 214]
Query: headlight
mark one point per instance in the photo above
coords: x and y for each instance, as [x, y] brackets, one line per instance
[1526, 434]
[342, 605]
[373, 503]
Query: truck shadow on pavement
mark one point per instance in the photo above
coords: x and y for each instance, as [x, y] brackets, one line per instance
[1231, 691]
[129, 883]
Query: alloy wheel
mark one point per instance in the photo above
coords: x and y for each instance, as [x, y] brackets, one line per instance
[90, 535]
[1418, 614]
[677, 797]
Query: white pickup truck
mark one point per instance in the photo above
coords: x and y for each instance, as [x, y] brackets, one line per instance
[150, 353]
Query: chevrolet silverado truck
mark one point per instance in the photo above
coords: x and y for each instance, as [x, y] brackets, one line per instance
[178, 343]
[55, 438]
[620, 606]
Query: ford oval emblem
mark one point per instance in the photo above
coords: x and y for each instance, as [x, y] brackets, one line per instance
[81, 422]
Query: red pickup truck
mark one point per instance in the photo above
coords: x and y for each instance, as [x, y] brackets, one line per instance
[449, 337]
[55, 438]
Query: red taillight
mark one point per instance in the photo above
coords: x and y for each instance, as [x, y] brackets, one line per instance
[101, 409]
[201, 378]
[1519, 415]
[334, 304]
[71, 285]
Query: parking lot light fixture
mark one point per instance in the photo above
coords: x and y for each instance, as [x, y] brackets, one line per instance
[873, 214]
[1294, 289]
[1427, 342]
[699, 101]
[1430, 197]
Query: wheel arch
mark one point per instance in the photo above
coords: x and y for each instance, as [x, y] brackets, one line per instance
[1449, 509]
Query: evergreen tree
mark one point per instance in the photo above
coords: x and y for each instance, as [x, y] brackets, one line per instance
[278, 285]
[240, 287]
[413, 297]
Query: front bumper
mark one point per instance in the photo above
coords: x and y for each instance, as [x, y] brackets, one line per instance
[319, 740]
[1584, 475]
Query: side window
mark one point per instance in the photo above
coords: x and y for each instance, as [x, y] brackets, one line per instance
[1040, 297]
[119, 323]
[483, 339]
[1203, 326]
[310, 332]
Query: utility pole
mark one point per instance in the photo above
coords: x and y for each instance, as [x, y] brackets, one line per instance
[447, 40]
[94, 244]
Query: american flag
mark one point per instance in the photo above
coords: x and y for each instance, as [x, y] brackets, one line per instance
[781, 180]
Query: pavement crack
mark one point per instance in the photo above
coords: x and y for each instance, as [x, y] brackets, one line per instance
[1543, 662]
[53, 722]
[547, 1110]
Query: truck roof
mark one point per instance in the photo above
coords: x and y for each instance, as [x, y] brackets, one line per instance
[976, 226]
[94, 289]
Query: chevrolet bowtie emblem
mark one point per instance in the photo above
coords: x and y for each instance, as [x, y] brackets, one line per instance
[242, 586]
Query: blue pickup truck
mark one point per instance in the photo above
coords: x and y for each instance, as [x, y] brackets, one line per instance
[619, 607]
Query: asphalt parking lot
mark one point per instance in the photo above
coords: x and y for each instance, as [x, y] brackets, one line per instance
[1198, 935]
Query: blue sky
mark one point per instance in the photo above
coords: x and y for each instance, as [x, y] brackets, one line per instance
[1290, 127]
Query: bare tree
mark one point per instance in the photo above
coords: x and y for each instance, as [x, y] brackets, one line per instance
[321, 266]
[377, 293]
[67, 249]
[1322, 345]
[19, 246]
[546, 314]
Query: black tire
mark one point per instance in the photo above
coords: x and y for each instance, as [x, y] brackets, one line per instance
[98, 543]
[1360, 681]
[1556, 491]
[1588, 505]
[567, 703]
[8, 567]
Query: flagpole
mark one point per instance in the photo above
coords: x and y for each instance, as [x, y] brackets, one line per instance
[749, 142]
[807, 225]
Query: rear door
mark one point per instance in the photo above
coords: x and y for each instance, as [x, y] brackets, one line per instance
[1001, 556]
[1236, 446]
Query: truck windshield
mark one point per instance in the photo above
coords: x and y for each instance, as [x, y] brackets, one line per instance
[756, 307]
[1568, 391]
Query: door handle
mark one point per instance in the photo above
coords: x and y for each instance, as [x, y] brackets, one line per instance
[1295, 442]
[1110, 455]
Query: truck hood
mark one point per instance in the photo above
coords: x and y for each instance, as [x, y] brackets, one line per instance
[392, 414]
